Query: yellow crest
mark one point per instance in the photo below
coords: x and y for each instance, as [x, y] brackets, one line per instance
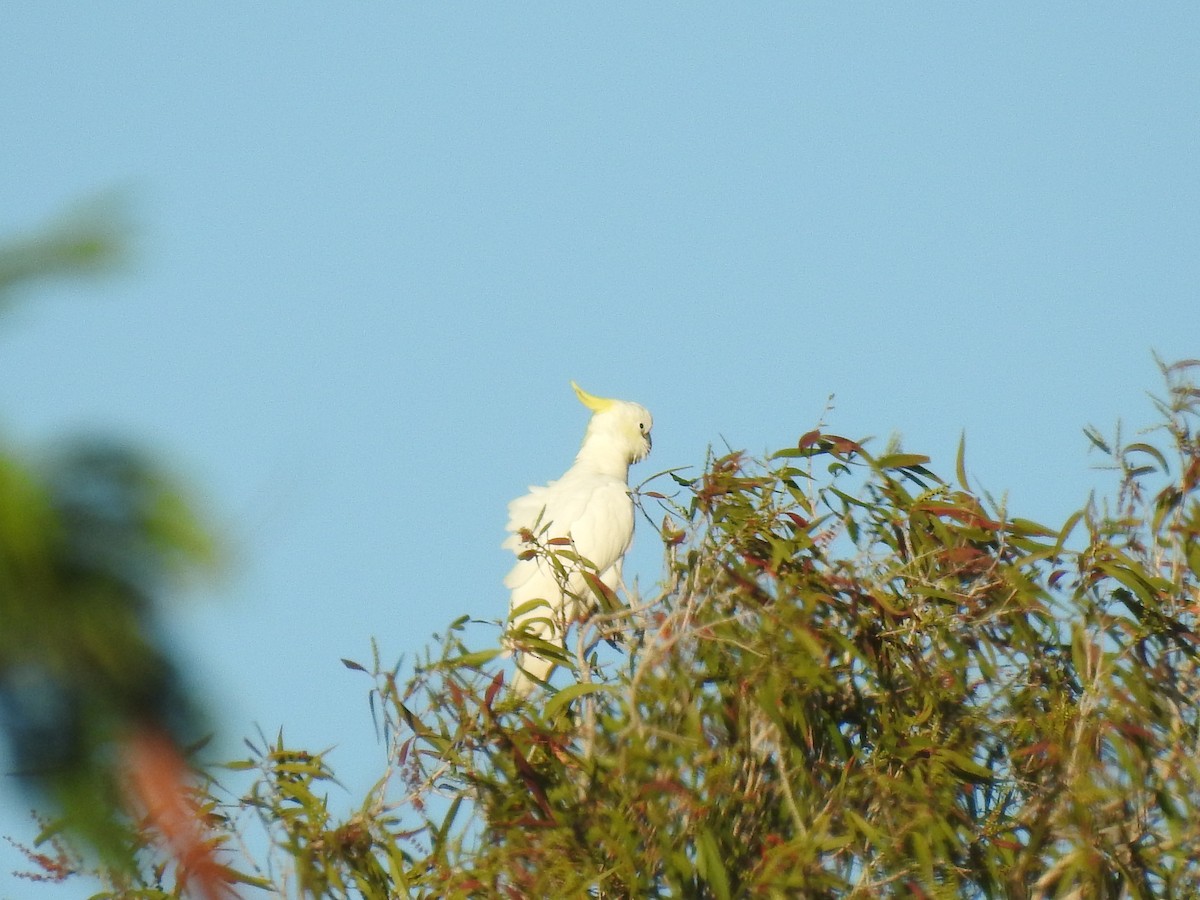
[595, 404]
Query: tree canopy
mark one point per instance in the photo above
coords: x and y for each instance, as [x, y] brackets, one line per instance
[858, 677]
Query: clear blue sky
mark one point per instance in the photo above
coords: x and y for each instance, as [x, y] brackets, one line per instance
[375, 241]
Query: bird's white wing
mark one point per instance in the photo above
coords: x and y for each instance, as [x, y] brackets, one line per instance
[595, 512]
[604, 531]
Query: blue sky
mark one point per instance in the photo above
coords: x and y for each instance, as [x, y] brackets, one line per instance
[373, 242]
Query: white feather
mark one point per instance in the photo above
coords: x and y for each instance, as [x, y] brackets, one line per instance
[589, 505]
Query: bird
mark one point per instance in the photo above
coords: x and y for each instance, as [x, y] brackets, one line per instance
[589, 512]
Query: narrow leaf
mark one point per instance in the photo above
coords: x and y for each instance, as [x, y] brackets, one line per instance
[574, 692]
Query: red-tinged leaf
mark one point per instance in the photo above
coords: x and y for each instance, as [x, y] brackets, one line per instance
[493, 689]
[1135, 732]
[966, 516]
[402, 753]
[526, 555]
[1007, 844]
[809, 438]
[608, 597]
[531, 780]
[1191, 477]
[800, 521]
[663, 786]
[962, 554]
[351, 664]
[158, 784]
[1055, 577]
[655, 494]
[1039, 747]
[1046, 749]
[845, 445]
[560, 542]
[758, 563]
[746, 584]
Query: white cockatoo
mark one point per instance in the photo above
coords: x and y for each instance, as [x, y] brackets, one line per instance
[590, 511]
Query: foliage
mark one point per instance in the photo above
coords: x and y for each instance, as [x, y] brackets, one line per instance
[857, 680]
[88, 241]
[94, 536]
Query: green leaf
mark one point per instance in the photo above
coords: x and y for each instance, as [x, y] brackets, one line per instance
[1132, 580]
[1097, 441]
[1151, 451]
[960, 467]
[797, 453]
[866, 829]
[473, 660]
[1028, 527]
[573, 692]
[901, 461]
[444, 828]
[711, 865]
[964, 765]
[524, 609]
[1065, 532]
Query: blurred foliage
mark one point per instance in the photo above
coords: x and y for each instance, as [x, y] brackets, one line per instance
[859, 679]
[85, 543]
[89, 240]
[94, 536]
